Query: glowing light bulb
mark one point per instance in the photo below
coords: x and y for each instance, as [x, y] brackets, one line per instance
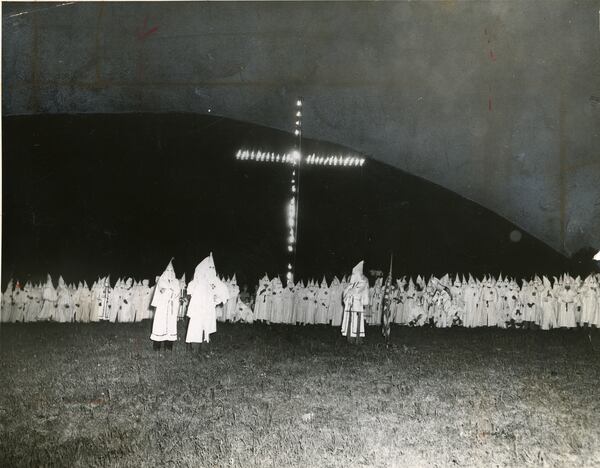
[296, 132]
[299, 103]
[297, 123]
[290, 248]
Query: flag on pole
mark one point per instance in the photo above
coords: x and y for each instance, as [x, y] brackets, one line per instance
[387, 305]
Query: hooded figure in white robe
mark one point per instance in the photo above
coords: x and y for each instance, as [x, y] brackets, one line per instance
[19, 303]
[356, 298]
[336, 306]
[471, 297]
[287, 302]
[231, 305]
[114, 302]
[183, 298]
[166, 303]
[311, 309]
[321, 316]
[302, 304]
[102, 303]
[397, 305]
[458, 303]
[376, 304]
[276, 304]
[442, 305]
[263, 299]
[49, 297]
[76, 294]
[589, 301]
[548, 306]
[85, 303]
[145, 310]
[126, 305]
[34, 304]
[566, 307]
[6, 309]
[64, 302]
[206, 291]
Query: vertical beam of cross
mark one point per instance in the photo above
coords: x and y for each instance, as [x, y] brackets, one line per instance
[295, 190]
[296, 160]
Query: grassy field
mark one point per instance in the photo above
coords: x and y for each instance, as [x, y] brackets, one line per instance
[98, 395]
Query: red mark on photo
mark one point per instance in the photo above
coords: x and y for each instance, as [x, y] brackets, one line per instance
[145, 32]
[492, 56]
[490, 103]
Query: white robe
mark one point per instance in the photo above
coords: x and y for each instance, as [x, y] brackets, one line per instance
[336, 307]
[548, 305]
[205, 296]
[49, 308]
[127, 309]
[34, 305]
[566, 308]
[356, 298]
[231, 305]
[166, 302]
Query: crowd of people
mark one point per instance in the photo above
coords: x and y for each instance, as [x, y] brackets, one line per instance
[125, 301]
[563, 302]
[540, 302]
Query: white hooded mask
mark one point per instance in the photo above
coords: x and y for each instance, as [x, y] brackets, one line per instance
[357, 273]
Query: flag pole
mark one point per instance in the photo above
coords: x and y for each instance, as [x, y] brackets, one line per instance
[387, 305]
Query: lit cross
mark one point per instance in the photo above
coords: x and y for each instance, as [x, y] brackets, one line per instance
[295, 159]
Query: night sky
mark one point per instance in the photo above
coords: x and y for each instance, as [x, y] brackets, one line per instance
[90, 195]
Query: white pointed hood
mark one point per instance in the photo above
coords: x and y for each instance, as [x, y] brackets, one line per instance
[206, 270]
[168, 278]
[357, 272]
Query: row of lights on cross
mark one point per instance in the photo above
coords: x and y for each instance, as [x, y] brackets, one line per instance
[289, 158]
[335, 160]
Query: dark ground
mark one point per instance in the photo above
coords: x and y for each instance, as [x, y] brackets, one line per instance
[90, 195]
[97, 395]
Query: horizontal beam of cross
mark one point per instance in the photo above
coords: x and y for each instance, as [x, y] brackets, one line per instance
[294, 158]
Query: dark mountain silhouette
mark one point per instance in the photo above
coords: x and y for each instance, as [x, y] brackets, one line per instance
[88, 195]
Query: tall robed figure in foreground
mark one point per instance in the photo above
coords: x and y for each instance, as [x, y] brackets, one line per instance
[206, 291]
[355, 298]
[166, 302]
